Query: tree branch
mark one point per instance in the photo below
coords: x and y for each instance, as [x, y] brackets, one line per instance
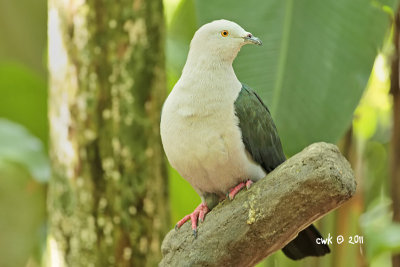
[269, 215]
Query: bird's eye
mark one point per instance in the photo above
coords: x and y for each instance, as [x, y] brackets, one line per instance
[224, 33]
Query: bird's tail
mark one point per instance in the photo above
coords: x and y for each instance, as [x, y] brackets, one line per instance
[305, 245]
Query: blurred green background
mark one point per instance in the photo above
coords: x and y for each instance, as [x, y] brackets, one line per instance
[323, 71]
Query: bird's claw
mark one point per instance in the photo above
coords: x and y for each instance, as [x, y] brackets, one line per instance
[232, 193]
[249, 183]
[197, 215]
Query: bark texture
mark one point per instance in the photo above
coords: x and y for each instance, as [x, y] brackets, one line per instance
[107, 198]
[395, 143]
[269, 215]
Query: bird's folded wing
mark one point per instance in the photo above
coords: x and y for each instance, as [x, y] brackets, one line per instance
[258, 130]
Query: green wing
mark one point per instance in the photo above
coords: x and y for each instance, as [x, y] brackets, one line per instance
[258, 130]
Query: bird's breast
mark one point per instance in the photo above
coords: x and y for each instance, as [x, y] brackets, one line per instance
[206, 148]
[193, 137]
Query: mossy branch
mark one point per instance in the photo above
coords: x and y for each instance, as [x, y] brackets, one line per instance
[269, 215]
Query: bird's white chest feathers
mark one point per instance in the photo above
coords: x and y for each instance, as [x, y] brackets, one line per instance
[201, 136]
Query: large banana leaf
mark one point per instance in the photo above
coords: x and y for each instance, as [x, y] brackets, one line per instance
[315, 62]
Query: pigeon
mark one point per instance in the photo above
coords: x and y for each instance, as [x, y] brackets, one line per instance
[217, 132]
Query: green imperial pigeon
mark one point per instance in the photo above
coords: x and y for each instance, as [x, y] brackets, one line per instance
[217, 133]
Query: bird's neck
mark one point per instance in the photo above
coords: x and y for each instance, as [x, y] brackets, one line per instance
[206, 86]
[206, 69]
[210, 59]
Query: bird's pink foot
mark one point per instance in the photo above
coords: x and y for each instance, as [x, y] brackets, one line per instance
[199, 213]
[249, 183]
[232, 193]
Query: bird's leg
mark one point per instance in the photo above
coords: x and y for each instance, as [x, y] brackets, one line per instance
[233, 191]
[199, 213]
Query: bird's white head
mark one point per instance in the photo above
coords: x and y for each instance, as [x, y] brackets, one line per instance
[221, 40]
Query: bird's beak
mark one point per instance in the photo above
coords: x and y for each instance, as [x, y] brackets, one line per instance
[250, 39]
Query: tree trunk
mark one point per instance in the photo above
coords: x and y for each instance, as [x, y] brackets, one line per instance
[395, 143]
[107, 198]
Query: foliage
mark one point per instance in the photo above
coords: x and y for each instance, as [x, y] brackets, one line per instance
[382, 234]
[372, 126]
[19, 146]
[24, 98]
[22, 209]
[24, 167]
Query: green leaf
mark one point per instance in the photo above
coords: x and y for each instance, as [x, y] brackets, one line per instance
[19, 146]
[23, 98]
[381, 234]
[315, 62]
